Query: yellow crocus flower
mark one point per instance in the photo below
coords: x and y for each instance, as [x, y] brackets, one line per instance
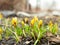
[50, 24]
[1, 31]
[1, 15]
[26, 20]
[14, 21]
[32, 22]
[35, 18]
[22, 22]
[40, 23]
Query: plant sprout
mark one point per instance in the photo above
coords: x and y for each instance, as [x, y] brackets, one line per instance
[53, 28]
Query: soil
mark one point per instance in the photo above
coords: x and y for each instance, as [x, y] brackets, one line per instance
[11, 41]
[29, 41]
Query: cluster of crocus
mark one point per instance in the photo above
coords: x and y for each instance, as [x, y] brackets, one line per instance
[35, 30]
[35, 19]
[53, 27]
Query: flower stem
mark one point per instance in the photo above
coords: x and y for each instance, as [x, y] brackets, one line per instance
[36, 42]
[0, 37]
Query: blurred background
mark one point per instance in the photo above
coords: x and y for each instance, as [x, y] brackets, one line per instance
[31, 6]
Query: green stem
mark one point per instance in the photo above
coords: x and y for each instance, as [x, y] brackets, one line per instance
[33, 35]
[36, 42]
[24, 33]
[0, 37]
[17, 38]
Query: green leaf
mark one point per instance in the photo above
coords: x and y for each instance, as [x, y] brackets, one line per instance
[19, 31]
